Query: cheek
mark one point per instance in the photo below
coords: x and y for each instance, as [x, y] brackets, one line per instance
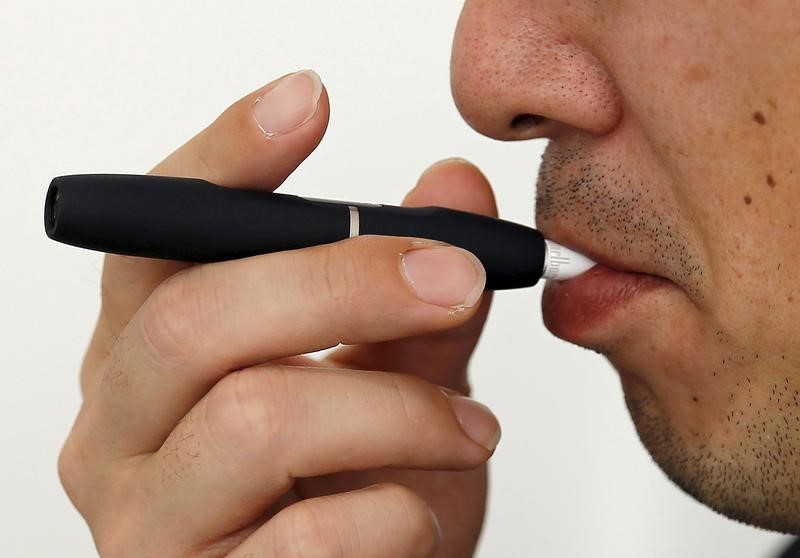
[713, 381]
[696, 370]
[675, 366]
[721, 117]
[755, 268]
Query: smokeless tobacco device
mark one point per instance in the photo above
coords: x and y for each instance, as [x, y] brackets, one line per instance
[193, 220]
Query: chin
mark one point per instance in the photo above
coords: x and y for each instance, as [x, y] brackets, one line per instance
[749, 473]
[708, 415]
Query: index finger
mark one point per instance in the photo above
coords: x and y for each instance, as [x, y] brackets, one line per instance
[256, 143]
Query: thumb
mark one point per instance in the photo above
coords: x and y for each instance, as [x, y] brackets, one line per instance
[441, 357]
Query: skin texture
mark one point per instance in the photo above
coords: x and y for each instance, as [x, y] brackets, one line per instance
[673, 152]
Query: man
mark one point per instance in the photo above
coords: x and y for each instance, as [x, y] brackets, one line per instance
[672, 162]
[674, 155]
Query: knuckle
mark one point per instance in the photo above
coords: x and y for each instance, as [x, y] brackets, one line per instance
[177, 316]
[299, 532]
[405, 398]
[168, 320]
[338, 275]
[246, 413]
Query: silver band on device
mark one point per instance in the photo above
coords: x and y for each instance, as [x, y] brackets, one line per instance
[355, 221]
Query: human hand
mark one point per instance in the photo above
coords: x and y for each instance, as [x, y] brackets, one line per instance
[205, 431]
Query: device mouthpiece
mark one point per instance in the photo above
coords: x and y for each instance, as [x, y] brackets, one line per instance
[561, 263]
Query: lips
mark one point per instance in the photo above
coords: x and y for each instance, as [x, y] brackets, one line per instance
[573, 309]
[602, 198]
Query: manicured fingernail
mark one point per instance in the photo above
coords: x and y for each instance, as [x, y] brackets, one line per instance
[477, 420]
[444, 276]
[288, 105]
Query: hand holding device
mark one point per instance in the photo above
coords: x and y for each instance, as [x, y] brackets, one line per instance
[206, 429]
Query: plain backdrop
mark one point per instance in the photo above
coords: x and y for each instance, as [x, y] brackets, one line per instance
[100, 86]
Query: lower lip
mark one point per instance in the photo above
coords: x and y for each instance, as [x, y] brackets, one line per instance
[573, 308]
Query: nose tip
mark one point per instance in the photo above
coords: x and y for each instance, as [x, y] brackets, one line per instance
[516, 76]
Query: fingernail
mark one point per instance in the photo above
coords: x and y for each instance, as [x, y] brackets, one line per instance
[289, 104]
[477, 420]
[444, 276]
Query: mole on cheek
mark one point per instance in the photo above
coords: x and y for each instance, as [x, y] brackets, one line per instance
[771, 181]
[697, 73]
[759, 117]
[748, 200]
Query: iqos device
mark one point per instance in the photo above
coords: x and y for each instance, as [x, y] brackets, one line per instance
[193, 220]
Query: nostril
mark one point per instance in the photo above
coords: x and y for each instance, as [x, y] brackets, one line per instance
[526, 121]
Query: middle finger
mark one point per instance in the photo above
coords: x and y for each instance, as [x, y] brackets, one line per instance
[210, 320]
[244, 444]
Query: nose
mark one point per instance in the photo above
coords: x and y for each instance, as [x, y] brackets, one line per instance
[517, 72]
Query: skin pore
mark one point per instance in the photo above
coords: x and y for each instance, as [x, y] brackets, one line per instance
[674, 152]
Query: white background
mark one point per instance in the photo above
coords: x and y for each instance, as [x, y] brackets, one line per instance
[114, 86]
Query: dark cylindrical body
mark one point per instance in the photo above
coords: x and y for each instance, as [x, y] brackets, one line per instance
[512, 254]
[194, 220]
[184, 219]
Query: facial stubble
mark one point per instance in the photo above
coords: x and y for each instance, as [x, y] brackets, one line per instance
[745, 465]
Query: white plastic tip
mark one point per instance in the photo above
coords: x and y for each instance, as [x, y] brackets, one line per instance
[561, 263]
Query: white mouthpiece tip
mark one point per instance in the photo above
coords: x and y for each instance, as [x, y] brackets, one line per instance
[561, 263]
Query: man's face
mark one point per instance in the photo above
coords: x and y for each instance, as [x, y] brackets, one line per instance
[674, 161]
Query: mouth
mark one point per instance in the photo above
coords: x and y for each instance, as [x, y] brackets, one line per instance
[575, 310]
[599, 306]
[631, 226]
